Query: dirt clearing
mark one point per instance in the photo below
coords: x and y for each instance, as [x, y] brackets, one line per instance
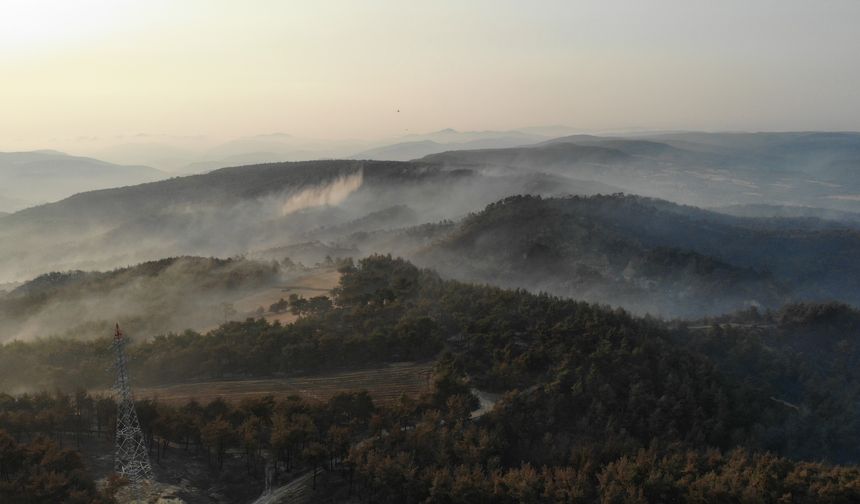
[385, 384]
[315, 283]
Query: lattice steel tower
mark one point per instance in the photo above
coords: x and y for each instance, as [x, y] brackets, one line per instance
[131, 459]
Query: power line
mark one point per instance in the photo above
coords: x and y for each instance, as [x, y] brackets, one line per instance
[131, 460]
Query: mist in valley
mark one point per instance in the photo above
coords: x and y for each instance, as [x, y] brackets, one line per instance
[429, 252]
[148, 299]
[78, 245]
[438, 212]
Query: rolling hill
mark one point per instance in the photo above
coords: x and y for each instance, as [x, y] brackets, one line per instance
[29, 178]
[821, 216]
[582, 389]
[576, 248]
[643, 254]
[235, 210]
[151, 298]
[703, 169]
[447, 141]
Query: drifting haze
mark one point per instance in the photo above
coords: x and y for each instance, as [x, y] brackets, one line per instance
[90, 75]
[794, 237]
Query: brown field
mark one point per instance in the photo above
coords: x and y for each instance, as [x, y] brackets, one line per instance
[385, 384]
[316, 283]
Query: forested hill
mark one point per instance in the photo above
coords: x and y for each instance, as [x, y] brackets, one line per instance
[648, 255]
[223, 213]
[224, 187]
[148, 298]
[549, 154]
[594, 401]
[820, 217]
[238, 210]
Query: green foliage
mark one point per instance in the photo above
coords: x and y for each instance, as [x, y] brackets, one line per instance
[647, 255]
[806, 359]
[597, 405]
[582, 247]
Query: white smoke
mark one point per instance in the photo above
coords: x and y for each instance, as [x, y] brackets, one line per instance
[332, 193]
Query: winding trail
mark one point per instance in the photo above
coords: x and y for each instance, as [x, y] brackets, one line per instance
[486, 400]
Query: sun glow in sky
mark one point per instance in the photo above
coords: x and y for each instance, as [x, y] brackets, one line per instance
[73, 69]
[30, 26]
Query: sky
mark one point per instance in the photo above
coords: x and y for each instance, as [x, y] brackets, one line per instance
[104, 70]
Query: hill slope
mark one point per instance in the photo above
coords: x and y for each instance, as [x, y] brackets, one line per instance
[643, 254]
[583, 385]
[405, 151]
[574, 248]
[234, 210]
[41, 176]
[704, 169]
[151, 298]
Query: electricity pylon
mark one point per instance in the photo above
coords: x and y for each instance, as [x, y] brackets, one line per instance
[131, 459]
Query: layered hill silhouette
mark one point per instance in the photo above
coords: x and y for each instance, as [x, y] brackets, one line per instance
[644, 254]
[28, 178]
[150, 298]
[704, 169]
[234, 210]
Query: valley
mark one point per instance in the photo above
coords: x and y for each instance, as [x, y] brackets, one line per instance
[438, 252]
[471, 316]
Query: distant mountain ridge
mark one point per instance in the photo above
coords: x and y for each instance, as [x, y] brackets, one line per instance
[235, 210]
[417, 146]
[225, 212]
[28, 178]
[193, 155]
[703, 169]
[645, 253]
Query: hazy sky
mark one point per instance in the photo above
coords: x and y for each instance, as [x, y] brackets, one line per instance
[335, 69]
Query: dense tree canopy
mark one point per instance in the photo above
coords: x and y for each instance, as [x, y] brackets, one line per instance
[596, 404]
